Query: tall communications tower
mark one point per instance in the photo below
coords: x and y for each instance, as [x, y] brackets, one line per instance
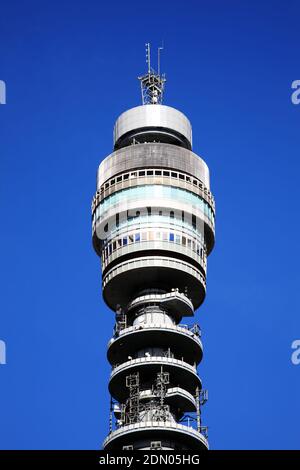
[153, 219]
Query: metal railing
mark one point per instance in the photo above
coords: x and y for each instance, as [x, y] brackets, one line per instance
[195, 328]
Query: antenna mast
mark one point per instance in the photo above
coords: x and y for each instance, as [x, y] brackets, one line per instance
[152, 83]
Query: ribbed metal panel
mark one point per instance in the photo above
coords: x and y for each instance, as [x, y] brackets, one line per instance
[153, 155]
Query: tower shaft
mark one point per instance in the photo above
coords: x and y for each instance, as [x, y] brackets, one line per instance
[153, 227]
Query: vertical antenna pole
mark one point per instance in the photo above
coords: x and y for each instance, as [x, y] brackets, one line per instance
[148, 56]
[158, 59]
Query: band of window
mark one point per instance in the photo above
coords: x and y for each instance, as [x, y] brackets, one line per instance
[112, 184]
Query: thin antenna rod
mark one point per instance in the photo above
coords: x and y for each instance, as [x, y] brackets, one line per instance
[158, 58]
[148, 56]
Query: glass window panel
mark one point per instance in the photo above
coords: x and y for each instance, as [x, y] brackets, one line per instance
[155, 191]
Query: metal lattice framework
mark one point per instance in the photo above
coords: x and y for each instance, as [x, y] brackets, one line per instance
[152, 88]
[133, 402]
[152, 83]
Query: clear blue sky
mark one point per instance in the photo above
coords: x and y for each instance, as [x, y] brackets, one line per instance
[70, 69]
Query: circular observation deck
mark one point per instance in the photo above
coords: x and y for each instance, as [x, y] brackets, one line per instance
[121, 283]
[175, 303]
[182, 374]
[184, 342]
[172, 435]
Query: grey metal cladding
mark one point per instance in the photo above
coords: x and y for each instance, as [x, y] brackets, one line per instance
[152, 116]
[153, 155]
